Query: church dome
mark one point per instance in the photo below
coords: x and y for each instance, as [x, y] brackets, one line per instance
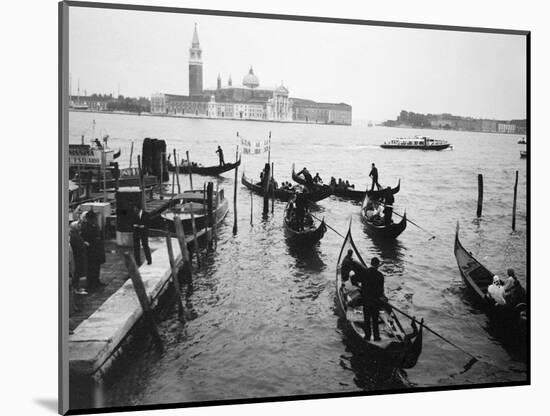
[251, 80]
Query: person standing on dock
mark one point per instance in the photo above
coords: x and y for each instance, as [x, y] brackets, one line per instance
[141, 234]
[80, 256]
[220, 155]
[374, 175]
[96, 250]
[372, 294]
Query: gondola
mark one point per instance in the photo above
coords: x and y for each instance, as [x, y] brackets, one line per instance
[380, 229]
[284, 194]
[478, 278]
[396, 347]
[194, 201]
[204, 170]
[339, 192]
[380, 192]
[309, 235]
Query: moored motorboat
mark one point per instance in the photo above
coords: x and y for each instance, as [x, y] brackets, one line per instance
[309, 234]
[396, 347]
[416, 142]
[203, 170]
[478, 279]
[197, 202]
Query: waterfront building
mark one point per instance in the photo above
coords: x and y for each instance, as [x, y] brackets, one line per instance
[248, 101]
[506, 128]
[489, 126]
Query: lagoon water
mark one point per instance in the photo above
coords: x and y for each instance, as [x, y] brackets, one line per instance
[264, 317]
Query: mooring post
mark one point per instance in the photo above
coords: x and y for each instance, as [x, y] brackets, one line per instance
[177, 169]
[272, 188]
[183, 245]
[214, 218]
[234, 191]
[479, 194]
[161, 177]
[174, 271]
[267, 179]
[515, 198]
[131, 153]
[141, 184]
[173, 182]
[133, 271]
[210, 213]
[190, 173]
[195, 239]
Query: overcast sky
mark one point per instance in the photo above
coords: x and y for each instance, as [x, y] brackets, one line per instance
[379, 71]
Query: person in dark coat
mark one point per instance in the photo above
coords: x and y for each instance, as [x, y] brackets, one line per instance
[96, 249]
[141, 234]
[80, 257]
[372, 294]
[388, 205]
[374, 175]
[220, 155]
[307, 176]
[301, 210]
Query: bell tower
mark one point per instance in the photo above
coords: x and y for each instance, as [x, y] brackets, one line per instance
[195, 65]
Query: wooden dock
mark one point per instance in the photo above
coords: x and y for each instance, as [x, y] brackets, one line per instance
[97, 341]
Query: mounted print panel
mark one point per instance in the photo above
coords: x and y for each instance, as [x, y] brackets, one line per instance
[261, 208]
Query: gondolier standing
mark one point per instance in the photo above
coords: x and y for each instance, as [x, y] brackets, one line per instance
[374, 175]
[372, 295]
[220, 155]
[388, 205]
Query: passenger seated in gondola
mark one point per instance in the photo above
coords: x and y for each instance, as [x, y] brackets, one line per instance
[348, 272]
[332, 182]
[340, 184]
[317, 179]
[373, 211]
[496, 291]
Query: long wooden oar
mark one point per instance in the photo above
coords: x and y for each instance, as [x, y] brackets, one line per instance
[327, 226]
[412, 222]
[468, 365]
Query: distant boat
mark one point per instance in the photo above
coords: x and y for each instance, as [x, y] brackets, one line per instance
[416, 142]
[522, 141]
[523, 154]
[370, 124]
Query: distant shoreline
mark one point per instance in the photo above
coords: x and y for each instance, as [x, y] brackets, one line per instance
[204, 117]
[404, 126]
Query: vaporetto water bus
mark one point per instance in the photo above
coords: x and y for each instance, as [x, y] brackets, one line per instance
[416, 142]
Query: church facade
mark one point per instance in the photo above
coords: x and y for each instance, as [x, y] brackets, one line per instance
[248, 101]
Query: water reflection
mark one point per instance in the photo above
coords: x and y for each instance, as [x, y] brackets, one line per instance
[307, 257]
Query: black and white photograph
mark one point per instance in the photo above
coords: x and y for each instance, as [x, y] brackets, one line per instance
[277, 207]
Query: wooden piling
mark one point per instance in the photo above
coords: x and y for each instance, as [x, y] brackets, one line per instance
[479, 194]
[131, 153]
[161, 177]
[214, 222]
[272, 189]
[210, 212]
[104, 163]
[133, 271]
[177, 169]
[267, 180]
[183, 245]
[173, 183]
[141, 184]
[195, 240]
[235, 191]
[190, 173]
[515, 199]
[174, 268]
[251, 207]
